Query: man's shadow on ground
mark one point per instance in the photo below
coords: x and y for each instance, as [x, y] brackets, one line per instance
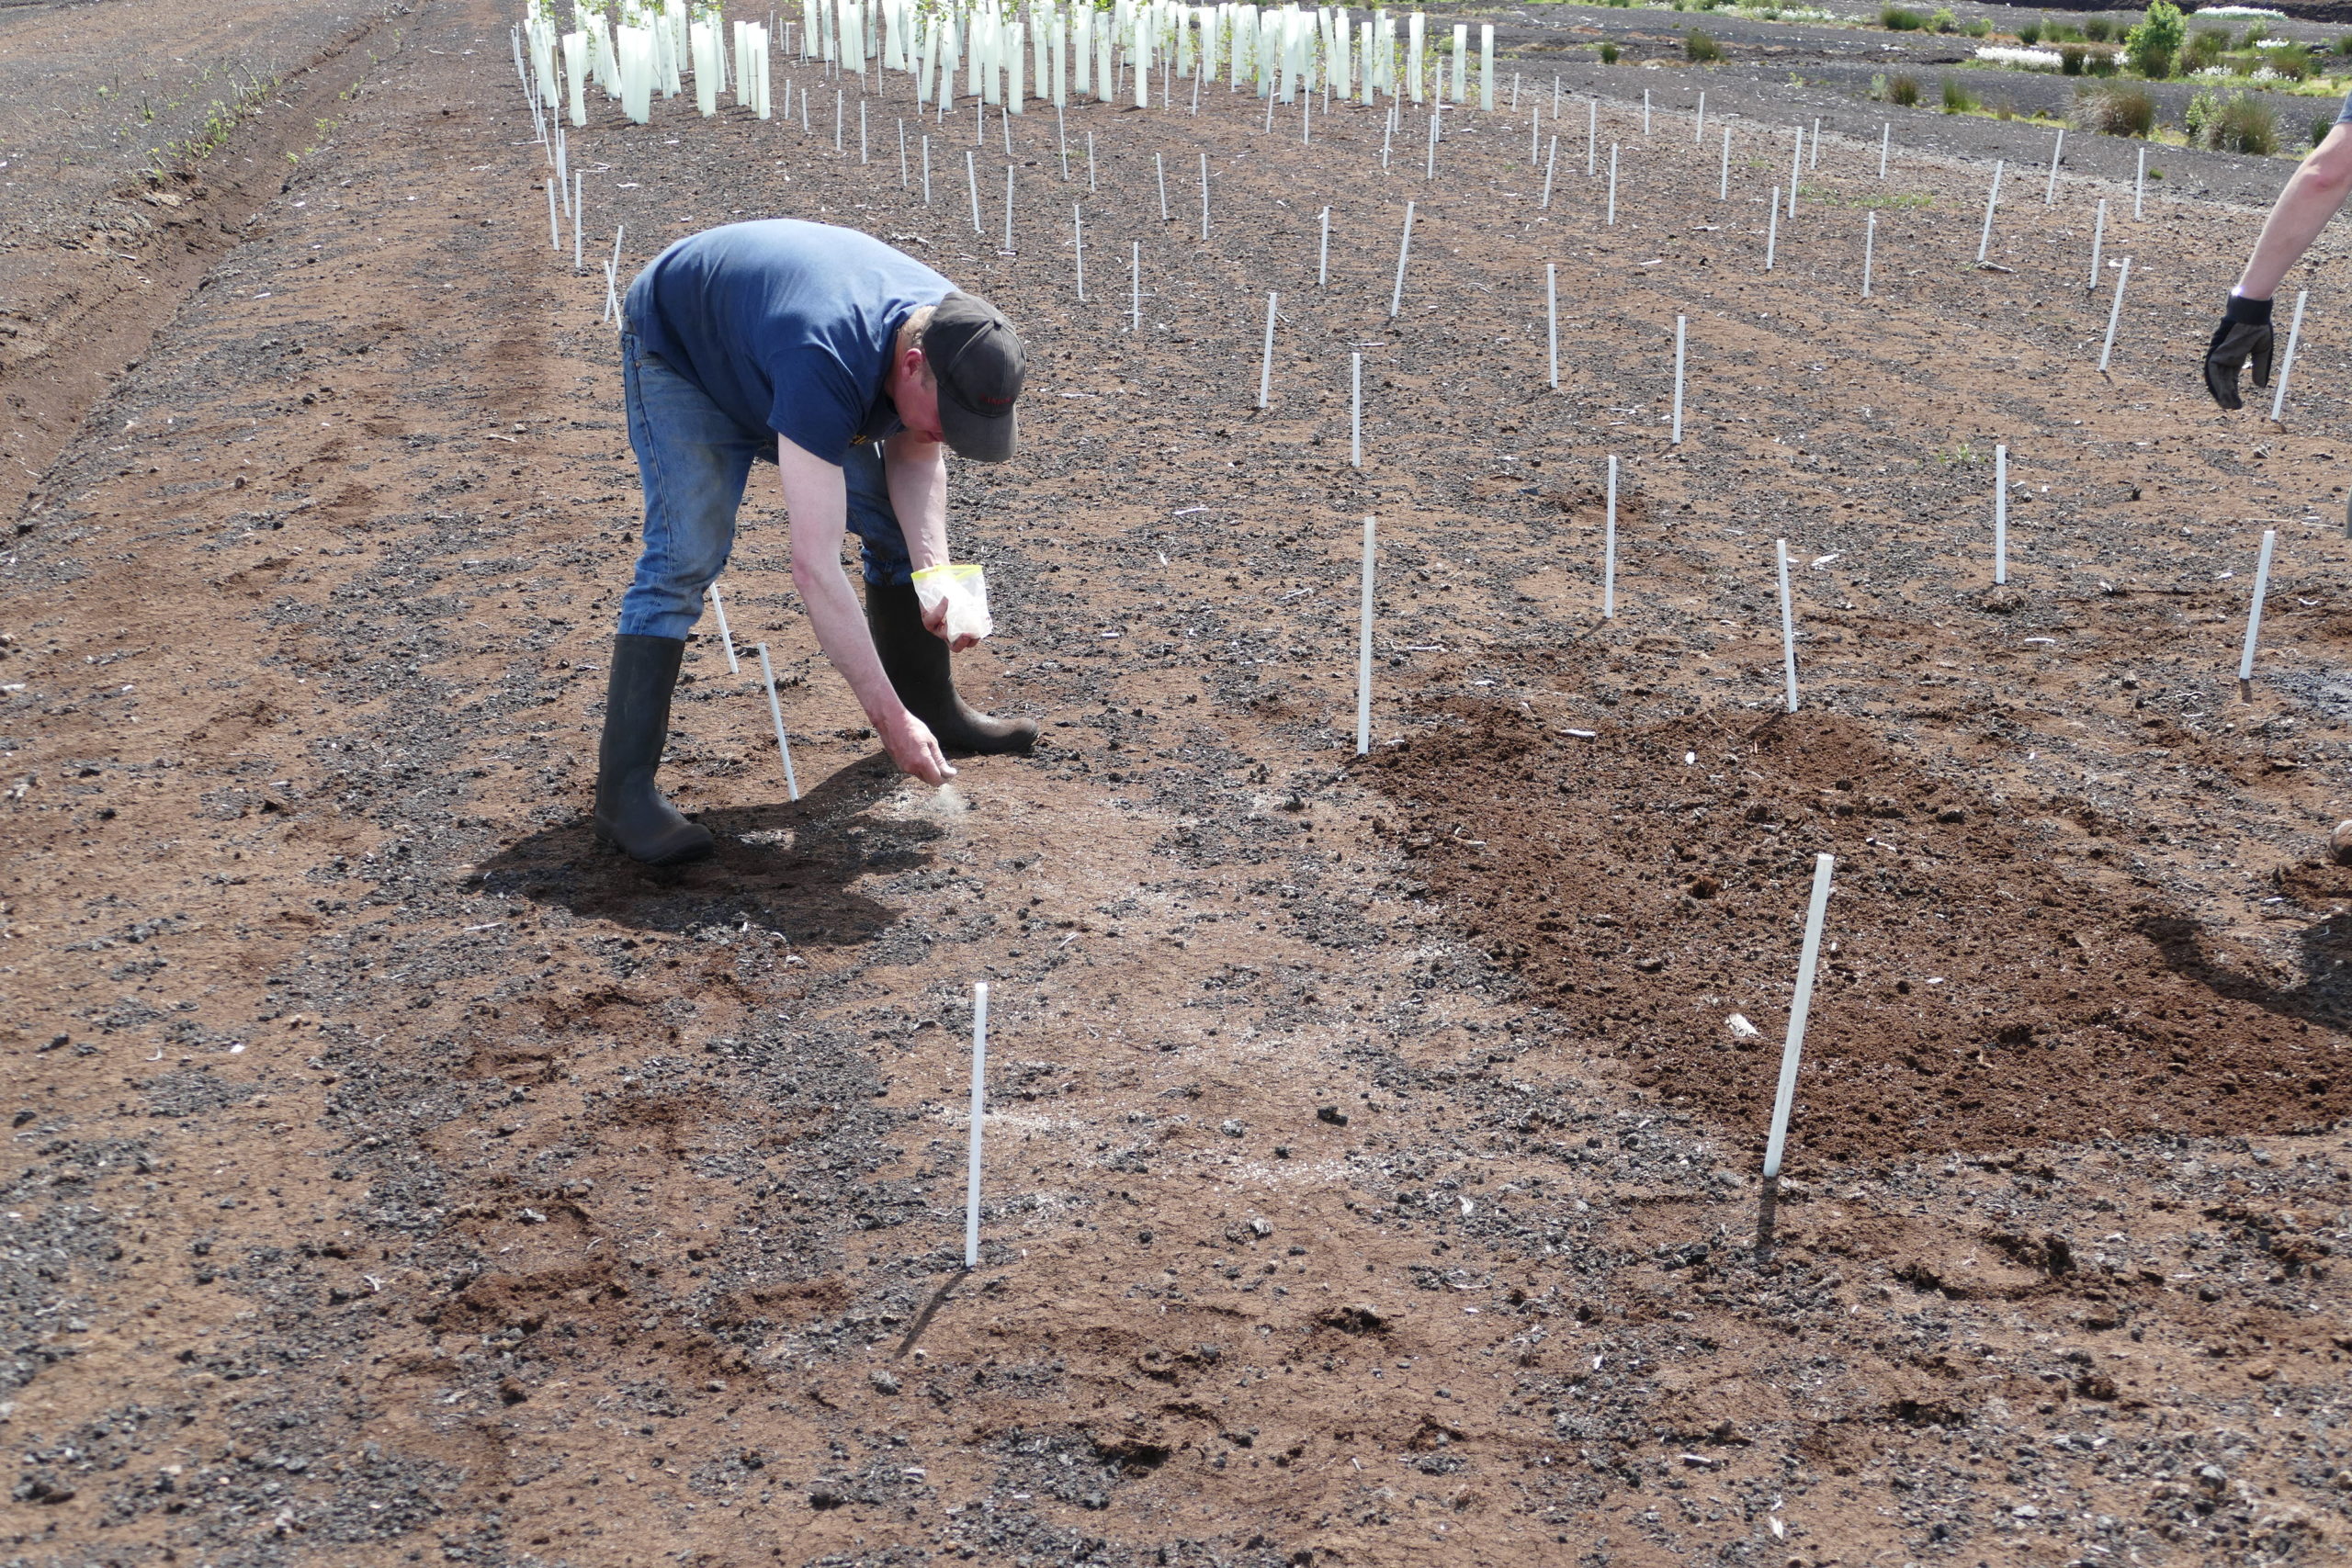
[787, 867]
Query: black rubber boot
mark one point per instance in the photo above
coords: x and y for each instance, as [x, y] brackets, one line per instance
[631, 813]
[916, 662]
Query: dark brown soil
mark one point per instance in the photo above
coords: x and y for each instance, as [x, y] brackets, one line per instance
[1977, 990]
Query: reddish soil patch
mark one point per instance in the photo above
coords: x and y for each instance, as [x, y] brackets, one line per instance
[1972, 993]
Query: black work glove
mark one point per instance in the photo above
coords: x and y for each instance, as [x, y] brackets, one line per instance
[2243, 334]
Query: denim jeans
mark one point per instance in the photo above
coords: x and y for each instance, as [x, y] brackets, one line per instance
[694, 460]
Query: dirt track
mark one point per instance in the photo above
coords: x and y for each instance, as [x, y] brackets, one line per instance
[1372, 1164]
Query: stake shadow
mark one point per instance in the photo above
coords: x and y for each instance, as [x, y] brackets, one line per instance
[787, 866]
[930, 1310]
[2324, 998]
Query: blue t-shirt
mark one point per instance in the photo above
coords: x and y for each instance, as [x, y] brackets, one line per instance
[787, 325]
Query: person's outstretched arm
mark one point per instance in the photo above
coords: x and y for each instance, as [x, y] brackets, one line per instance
[817, 497]
[2313, 195]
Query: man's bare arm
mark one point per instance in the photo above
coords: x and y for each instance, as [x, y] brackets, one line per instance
[817, 497]
[916, 471]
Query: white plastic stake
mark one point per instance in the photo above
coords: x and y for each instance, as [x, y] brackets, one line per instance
[2050, 191]
[1429, 172]
[2286, 366]
[904, 178]
[1886, 131]
[979, 1089]
[1699, 130]
[1404, 249]
[726, 638]
[1008, 209]
[1723, 178]
[1681, 323]
[2139, 181]
[972, 179]
[1796, 169]
[1991, 199]
[1061, 140]
[1205, 199]
[1078, 248]
[775, 713]
[1551, 317]
[2115, 314]
[1645, 112]
[1363, 651]
[1609, 549]
[2098, 239]
[1813, 151]
[1793, 1050]
[1323, 254]
[1612, 184]
[926, 171]
[1591, 137]
[1772, 229]
[2254, 615]
[1135, 288]
[1869, 245]
[2000, 515]
[1159, 167]
[1788, 628]
[1266, 365]
[1551, 162]
[1355, 410]
[1089, 161]
[578, 200]
[555, 231]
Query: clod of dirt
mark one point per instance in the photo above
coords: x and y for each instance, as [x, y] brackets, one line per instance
[2339, 843]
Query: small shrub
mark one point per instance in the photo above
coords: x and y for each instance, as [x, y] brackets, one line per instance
[2344, 44]
[1609, 54]
[2098, 29]
[2154, 45]
[1956, 98]
[2321, 125]
[2071, 57]
[2101, 63]
[2244, 124]
[2116, 111]
[2029, 33]
[2290, 62]
[2006, 110]
[2205, 48]
[2255, 31]
[2060, 33]
[1903, 92]
[1896, 20]
[1943, 21]
[1979, 28]
[1698, 46]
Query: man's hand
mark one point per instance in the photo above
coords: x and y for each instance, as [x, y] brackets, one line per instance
[935, 620]
[912, 746]
[2243, 334]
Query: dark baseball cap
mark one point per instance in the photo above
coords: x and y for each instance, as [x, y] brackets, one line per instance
[979, 362]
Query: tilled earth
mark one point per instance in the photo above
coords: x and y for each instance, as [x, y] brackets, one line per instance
[1372, 1152]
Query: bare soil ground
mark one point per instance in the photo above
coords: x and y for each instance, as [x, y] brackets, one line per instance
[1371, 1162]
